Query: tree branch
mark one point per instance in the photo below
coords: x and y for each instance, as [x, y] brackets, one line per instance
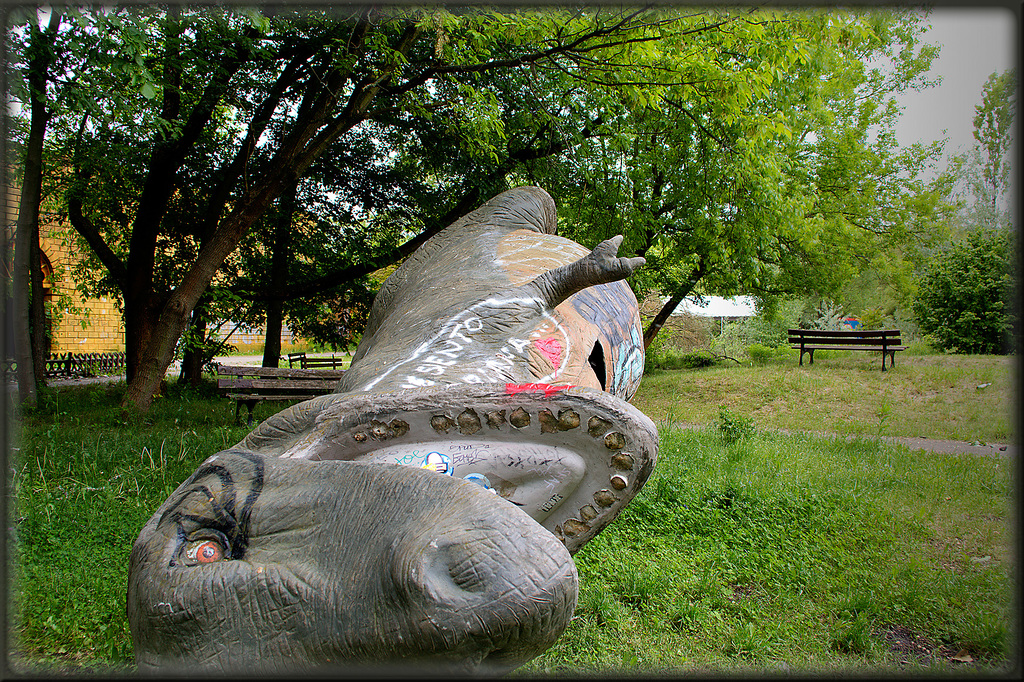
[261, 118]
[87, 229]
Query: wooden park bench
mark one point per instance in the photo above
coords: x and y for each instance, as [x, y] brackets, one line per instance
[251, 385]
[809, 340]
[333, 362]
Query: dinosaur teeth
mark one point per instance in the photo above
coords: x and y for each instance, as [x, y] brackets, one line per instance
[519, 418]
[441, 423]
[469, 422]
[481, 431]
[568, 419]
[573, 527]
[623, 461]
[597, 427]
[615, 441]
[496, 419]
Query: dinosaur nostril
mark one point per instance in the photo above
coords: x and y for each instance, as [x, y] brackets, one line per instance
[445, 570]
[467, 573]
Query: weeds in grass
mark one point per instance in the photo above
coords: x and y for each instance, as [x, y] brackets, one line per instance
[733, 427]
[760, 355]
[932, 396]
[884, 414]
[86, 477]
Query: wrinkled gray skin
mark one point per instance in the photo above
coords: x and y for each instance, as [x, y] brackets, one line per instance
[343, 563]
[323, 539]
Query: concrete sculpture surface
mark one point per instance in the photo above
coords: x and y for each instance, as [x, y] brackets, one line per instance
[426, 511]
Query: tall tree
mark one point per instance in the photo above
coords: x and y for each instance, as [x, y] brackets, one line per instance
[986, 168]
[778, 175]
[28, 313]
[234, 78]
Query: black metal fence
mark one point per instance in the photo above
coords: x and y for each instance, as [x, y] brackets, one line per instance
[78, 364]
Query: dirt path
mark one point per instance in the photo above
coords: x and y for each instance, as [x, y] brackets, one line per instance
[956, 446]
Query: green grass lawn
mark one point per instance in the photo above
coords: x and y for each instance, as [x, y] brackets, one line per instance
[800, 554]
[763, 553]
[933, 396]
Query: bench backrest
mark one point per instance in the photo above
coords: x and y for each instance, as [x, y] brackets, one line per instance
[278, 379]
[888, 337]
[332, 362]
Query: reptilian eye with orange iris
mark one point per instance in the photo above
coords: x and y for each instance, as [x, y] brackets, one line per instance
[205, 551]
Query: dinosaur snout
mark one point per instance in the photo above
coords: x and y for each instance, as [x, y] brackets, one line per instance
[502, 587]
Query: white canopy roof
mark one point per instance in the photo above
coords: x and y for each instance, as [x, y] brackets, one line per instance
[735, 306]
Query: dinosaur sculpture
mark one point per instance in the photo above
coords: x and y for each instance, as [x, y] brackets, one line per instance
[425, 512]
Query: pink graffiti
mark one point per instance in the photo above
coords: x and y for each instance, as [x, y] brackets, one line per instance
[551, 349]
[548, 389]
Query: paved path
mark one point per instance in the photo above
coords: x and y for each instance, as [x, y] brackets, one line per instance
[912, 442]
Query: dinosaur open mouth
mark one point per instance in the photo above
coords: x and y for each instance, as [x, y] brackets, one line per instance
[568, 456]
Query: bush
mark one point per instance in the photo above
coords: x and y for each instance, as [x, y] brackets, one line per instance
[964, 298]
[672, 358]
[734, 427]
[760, 355]
[769, 332]
[697, 359]
[660, 355]
[872, 318]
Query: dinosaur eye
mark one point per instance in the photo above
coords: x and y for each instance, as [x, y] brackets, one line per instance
[207, 549]
[206, 552]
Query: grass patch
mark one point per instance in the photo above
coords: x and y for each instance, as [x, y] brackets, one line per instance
[794, 553]
[85, 476]
[758, 553]
[932, 396]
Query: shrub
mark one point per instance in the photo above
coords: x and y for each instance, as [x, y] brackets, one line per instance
[734, 427]
[760, 355]
[964, 296]
[872, 318]
[661, 356]
[762, 329]
[696, 359]
[654, 354]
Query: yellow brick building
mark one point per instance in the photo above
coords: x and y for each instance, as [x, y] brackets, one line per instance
[92, 325]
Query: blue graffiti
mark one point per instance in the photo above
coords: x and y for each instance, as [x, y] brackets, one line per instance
[480, 480]
[629, 365]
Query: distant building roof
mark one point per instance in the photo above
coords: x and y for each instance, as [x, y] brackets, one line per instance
[717, 306]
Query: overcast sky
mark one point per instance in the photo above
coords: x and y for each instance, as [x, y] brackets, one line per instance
[974, 43]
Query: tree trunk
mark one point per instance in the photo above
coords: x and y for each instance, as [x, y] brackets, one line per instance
[662, 317]
[279, 276]
[195, 355]
[275, 324]
[37, 308]
[27, 283]
[666, 310]
[20, 303]
[155, 356]
[140, 314]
